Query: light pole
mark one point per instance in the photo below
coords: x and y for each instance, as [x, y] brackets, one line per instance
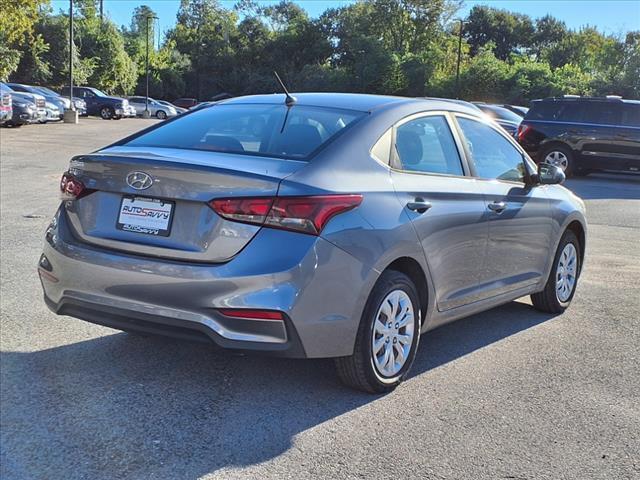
[70, 115]
[146, 113]
[459, 58]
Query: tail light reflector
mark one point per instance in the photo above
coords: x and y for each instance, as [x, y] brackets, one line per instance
[251, 314]
[300, 214]
[522, 131]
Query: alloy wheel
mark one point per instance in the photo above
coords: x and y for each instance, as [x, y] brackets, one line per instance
[557, 158]
[566, 272]
[393, 332]
[105, 113]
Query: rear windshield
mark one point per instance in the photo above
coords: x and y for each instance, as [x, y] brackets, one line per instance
[501, 113]
[253, 129]
[543, 111]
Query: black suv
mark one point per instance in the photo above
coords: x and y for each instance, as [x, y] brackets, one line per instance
[583, 134]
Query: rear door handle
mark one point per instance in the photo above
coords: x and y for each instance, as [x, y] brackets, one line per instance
[497, 207]
[419, 205]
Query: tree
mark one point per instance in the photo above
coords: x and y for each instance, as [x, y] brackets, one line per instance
[17, 20]
[548, 32]
[509, 32]
[485, 77]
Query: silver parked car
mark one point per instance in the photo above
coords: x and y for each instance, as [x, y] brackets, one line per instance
[331, 225]
[156, 109]
[179, 110]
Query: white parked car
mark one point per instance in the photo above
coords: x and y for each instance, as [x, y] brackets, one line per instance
[53, 113]
[156, 108]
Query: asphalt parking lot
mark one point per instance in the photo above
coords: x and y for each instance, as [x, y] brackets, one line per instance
[508, 394]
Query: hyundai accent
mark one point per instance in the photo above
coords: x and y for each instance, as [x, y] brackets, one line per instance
[320, 225]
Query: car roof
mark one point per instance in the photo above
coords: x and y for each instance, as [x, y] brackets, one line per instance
[577, 98]
[353, 101]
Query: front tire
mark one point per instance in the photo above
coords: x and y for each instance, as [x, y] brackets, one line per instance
[107, 113]
[161, 115]
[387, 339]
[563, 278]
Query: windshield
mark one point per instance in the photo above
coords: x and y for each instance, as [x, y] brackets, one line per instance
[252, 129]
[501, 113]
[99, 93]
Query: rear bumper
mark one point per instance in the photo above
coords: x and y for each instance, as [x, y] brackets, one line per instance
[320, 289]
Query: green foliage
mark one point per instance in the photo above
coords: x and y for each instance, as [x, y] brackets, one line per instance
[17, 20]
[401, 47]
[509, 32]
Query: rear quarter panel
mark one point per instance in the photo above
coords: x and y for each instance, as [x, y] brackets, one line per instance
[379, 231]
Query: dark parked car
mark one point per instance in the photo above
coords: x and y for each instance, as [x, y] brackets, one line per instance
[583, 134]
[99, 103]
[517, 109]
[503, 117]
[26, 107]
[54, 104]
[185, 102]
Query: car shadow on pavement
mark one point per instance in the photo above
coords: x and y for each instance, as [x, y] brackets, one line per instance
[122, 406]
[603, 186]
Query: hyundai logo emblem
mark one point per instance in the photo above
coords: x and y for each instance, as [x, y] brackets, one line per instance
[139, 180]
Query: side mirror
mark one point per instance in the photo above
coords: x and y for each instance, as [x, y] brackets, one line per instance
[550, 174]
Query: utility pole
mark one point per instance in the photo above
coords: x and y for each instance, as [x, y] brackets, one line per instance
[459, 58]
[146, 113]
[71, 53]
[70, 115]
[101, 11]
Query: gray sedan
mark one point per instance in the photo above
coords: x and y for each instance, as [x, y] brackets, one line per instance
[325, 225]
[156, 109]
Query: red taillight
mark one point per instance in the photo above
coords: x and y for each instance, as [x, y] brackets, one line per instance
[522, 131]
[249, 210]
[71, 188]
[300, 214]
[250, 314]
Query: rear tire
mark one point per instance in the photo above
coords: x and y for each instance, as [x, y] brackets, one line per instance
[390, 326]
[562, 157]
[564, 272]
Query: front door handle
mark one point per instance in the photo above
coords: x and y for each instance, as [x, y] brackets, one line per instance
[497, 207]
[419, 205]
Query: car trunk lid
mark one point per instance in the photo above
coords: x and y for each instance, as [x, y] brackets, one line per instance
[154, 201]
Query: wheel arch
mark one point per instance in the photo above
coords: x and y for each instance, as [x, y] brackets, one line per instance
[547, 145]
[412, 269]
[579, 231]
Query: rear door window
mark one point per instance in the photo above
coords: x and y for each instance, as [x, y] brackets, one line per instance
[572, 112]
[606, 113]
[631, 115]
[426, 145]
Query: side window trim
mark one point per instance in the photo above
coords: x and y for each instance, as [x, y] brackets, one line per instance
[469, 157]
[394, 160]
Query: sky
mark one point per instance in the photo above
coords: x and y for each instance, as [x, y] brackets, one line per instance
[609, 16]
